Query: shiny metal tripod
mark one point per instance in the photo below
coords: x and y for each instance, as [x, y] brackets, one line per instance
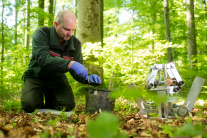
[163, 88]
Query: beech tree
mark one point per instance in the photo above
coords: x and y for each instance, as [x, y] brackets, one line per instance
[90, 29]
[27, 34]
[192, 48]
[50, 12]
[2, 48]
[41, 13]
[167, 30]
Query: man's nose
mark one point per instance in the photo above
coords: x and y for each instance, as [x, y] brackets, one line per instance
[70, 33]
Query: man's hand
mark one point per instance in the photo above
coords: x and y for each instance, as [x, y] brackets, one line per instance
[94, 80]
[79, 69]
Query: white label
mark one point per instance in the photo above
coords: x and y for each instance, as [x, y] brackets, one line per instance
[95, 92]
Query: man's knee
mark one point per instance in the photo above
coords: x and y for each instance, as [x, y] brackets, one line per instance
[30, 106]
[65, 105]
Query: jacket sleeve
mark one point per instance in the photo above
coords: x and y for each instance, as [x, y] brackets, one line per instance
[42, 54]
[78, 58]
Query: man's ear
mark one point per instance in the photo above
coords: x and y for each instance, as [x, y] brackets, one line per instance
[55, 24]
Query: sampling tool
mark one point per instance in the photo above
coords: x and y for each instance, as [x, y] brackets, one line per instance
[167, 87]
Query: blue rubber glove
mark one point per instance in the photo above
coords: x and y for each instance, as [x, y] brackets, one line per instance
[94, 80]
[80, 70]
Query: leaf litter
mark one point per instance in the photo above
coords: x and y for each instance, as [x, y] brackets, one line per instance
[42, 125]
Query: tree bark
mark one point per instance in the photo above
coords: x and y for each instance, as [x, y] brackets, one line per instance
[2, 33]
[15, 30]
[54, 7]
[132, 36]
[16, 14]
[27, 35]
[89, 21]
[167, 30]
[41, 13]
[192, 48]
[50, 11]
[76, 14]
[90, 29]
[204, 6]
[152, 30]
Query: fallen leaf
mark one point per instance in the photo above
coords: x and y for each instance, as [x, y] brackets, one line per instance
[82, 128]
[126, 126]
[131, 121]
[1, 134]
[29, 131]
[145, 134]
[58, 124]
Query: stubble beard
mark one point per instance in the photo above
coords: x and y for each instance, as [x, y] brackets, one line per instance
[66, 38]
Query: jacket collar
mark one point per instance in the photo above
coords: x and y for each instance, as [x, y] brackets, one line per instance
[54, 41]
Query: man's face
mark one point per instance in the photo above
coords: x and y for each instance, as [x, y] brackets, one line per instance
[65, 29]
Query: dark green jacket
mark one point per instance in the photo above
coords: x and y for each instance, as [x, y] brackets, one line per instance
[49, 59]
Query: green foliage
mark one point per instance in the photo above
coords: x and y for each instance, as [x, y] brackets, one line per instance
[192, 130]
[11, 105]
[44, 135]
[168, 129]
[130, 48]
[105, 126]
[125, 107]
[53, 122]
[137, 93]
[188, 129]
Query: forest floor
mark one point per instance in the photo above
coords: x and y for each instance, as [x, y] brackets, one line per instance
[15, 123]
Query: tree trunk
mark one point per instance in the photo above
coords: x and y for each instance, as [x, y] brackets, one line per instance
[16, 13]
[2, 33]
[204, 5]
[50, 11]
[41, 13]
[167, 30]
[15, 31]
[27, 40]
[89, 21]
[132, 36]
[76, 14]
[55, 3]
[90, 29]
[192, 48]
[152, 30]
[101, 20]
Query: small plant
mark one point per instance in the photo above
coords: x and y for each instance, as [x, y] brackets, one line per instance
[58, 135]
[153, 115]
[45, 135]
[71, 130]
[168, 129]
[35, 112]
[3, 123]
[36, 120]
[11, 105]
[105, 126]
[53, 122]
[75, 119]
[13, 124]
[74, 136]
[192, 130]
[64, 115]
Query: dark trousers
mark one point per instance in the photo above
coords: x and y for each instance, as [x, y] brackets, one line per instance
[56, 94]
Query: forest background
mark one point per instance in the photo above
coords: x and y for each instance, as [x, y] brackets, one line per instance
[121, 39]
[124, 37]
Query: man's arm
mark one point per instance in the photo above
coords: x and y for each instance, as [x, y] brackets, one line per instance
[42, 54]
